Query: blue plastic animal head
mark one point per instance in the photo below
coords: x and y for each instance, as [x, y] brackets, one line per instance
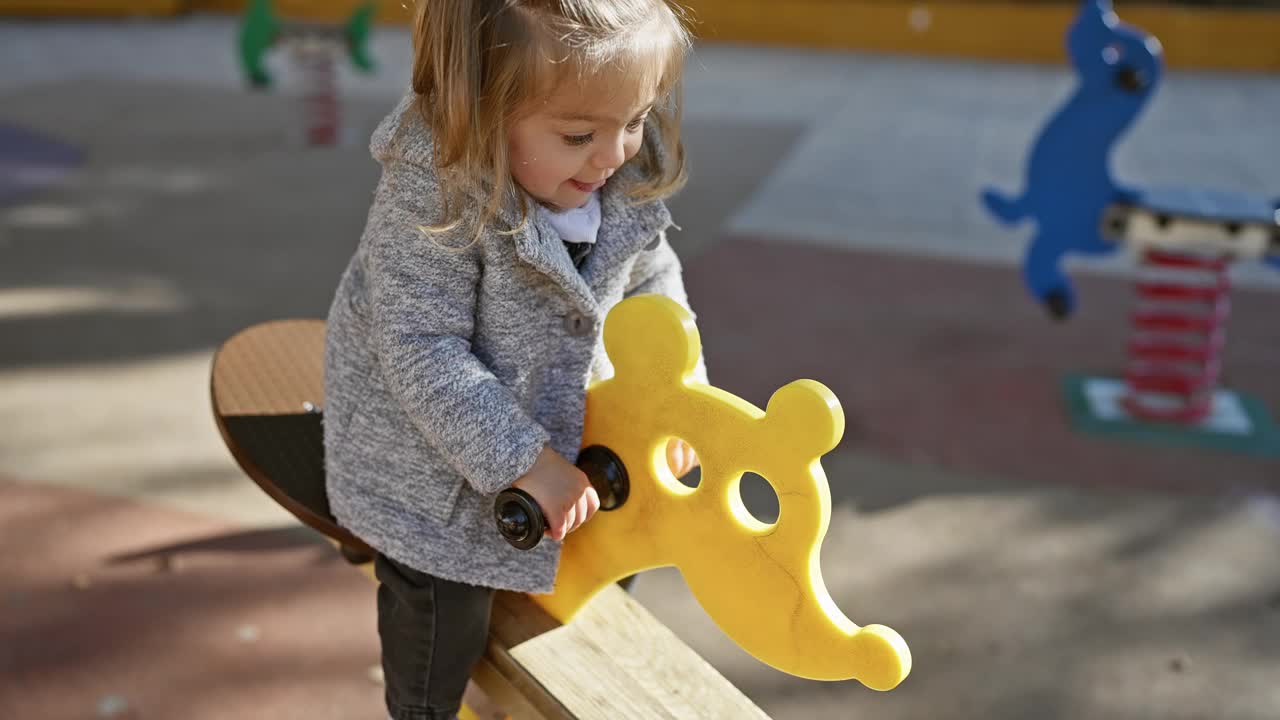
[1068, 177]
[1111, 57]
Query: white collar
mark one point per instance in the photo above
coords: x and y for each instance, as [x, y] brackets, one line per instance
[576, 225]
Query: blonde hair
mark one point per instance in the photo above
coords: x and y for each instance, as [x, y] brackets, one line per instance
[479, 65]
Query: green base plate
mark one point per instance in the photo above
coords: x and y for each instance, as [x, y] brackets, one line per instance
[1239, 423]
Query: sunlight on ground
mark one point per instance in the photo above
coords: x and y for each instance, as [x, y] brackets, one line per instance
[138, 296]
[143, 429]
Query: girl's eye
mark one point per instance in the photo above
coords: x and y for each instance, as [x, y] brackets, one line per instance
[635, 125]
[576, 140]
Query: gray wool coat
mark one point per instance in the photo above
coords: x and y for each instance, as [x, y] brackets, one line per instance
[447, 371]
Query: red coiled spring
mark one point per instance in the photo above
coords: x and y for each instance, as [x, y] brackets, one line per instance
[1179, 329]
[320, 95]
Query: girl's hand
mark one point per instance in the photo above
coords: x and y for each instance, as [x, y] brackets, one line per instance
[680, 457]
[562, 491]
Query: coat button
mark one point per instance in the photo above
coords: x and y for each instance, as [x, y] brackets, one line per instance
[577, 324]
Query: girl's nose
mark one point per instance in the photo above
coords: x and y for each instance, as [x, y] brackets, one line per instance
[610, 154]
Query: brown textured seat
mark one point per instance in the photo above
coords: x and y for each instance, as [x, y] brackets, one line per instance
[268, 399]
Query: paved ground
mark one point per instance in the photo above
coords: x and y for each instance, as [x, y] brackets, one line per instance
[831, 231]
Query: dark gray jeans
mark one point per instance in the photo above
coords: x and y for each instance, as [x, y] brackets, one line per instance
[433, 632]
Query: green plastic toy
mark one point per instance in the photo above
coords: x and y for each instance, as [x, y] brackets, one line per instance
[262, 29]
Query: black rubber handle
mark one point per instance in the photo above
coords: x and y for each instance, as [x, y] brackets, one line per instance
[521, 521]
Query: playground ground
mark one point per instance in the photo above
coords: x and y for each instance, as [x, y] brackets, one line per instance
[830, 230]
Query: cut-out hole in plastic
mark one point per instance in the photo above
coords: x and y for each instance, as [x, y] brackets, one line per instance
[755, 502]
[682, 485]
[692, 479]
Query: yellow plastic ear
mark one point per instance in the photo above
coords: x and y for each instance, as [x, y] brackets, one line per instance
[761, 583]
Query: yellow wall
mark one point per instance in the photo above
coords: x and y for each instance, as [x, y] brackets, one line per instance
[82, 8]
[1242, 39]
[388, 10]
[1192, 37]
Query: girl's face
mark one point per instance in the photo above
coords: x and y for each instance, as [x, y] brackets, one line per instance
[569, 145]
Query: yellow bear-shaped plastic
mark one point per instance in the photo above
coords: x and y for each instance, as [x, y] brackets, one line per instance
[761, 583]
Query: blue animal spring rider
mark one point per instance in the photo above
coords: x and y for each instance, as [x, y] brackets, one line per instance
[1184, 238]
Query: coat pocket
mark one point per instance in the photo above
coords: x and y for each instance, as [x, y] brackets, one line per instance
[400, 468]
